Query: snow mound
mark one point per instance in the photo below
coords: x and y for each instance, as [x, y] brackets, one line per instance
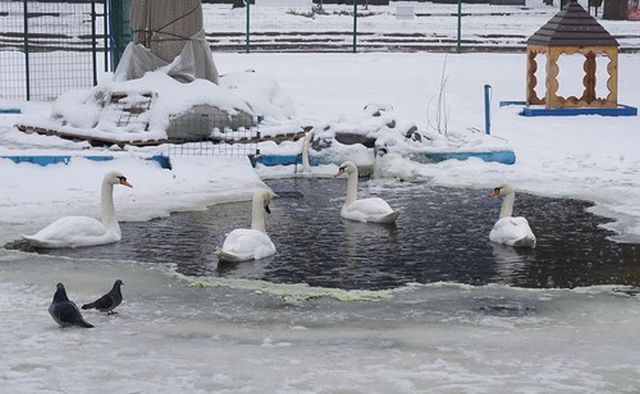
[142, 109]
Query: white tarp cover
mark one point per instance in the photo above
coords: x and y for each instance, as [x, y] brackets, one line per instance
[167, 33]
[194, 62]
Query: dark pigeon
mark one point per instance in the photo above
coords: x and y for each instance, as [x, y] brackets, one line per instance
[65, 312]
[109, 301]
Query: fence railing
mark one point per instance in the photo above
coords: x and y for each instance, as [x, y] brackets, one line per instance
[50, 48]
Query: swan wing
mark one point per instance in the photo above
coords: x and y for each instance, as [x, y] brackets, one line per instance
[372, 209]
[246, 244]
[513, 231]
[73, 231]
[231, 257]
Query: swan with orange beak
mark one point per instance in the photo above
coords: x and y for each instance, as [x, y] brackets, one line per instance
[509, 230]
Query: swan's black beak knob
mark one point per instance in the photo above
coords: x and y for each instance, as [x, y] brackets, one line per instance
[266, 208]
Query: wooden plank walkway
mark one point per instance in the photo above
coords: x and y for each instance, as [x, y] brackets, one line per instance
[103, 141]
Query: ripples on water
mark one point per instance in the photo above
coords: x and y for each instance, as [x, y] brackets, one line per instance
[442, 235]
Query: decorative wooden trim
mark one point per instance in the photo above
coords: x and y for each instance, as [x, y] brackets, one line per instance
[551, 98]
[532, 68]
[588, 97]
[612, 82]
[589, 79]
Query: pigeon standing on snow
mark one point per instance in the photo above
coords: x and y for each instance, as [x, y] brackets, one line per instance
[109, 301]
[65, 312]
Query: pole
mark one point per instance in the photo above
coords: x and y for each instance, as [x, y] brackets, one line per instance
[26, 49]
[94, 44]
[248, 23]
[487, 109]
[105, 28]
[355, 25]
[458, 46]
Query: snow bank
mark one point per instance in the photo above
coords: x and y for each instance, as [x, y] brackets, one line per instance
[95, 112]
[33, 196]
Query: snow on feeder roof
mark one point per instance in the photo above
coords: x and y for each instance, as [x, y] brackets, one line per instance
[572, 26]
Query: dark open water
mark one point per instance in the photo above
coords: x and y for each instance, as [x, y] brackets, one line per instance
[442, 235]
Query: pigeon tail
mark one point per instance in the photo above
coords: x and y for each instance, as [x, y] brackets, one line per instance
[84, 324]
[89, 306]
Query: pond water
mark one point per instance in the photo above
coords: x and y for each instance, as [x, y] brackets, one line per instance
[442, 235]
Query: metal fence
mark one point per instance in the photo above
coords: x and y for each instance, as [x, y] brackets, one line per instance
[50, 48]
[207, 131]
[283, 25]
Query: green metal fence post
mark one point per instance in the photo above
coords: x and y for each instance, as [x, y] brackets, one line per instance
[458, 46]
[94, 44]
[355, 25]
[105, 28]
[248, 26]
[121, 32]
[26, 48]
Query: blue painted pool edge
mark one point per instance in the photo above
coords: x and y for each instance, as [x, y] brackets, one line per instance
[284, 160]
[504, 157]
[620, 110]
[10, 111]
[44, 160]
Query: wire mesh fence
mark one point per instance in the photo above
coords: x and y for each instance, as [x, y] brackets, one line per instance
[49, 48]
[12, 50]
[208, 131]
[309, 26]
[277, 25]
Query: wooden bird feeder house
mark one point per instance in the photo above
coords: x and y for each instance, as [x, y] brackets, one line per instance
[572, 31]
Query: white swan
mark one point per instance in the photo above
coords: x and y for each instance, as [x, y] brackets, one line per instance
[374, 209]
[306, 168]
[509, 230]
[76, 231]
[250, 244]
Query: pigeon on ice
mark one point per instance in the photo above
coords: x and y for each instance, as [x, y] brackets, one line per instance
[65, 312]
[109, 301]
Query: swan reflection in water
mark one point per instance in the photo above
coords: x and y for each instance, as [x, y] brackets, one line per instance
[510, 263]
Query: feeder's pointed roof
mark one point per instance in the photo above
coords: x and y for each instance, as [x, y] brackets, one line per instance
[572, 26]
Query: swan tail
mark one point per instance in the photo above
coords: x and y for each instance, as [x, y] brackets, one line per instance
[528, 241]
[231, 257]
[34, 241]
[389, 217]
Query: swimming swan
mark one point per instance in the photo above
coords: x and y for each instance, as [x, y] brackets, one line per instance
[306, 168]
[77, 231]
[250, 244]
[374, 209]
[509, 230]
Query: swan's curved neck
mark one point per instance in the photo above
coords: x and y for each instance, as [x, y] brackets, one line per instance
[352, 188]
[305, 153]
[507, 205]
[108, 211]
[257, 213]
